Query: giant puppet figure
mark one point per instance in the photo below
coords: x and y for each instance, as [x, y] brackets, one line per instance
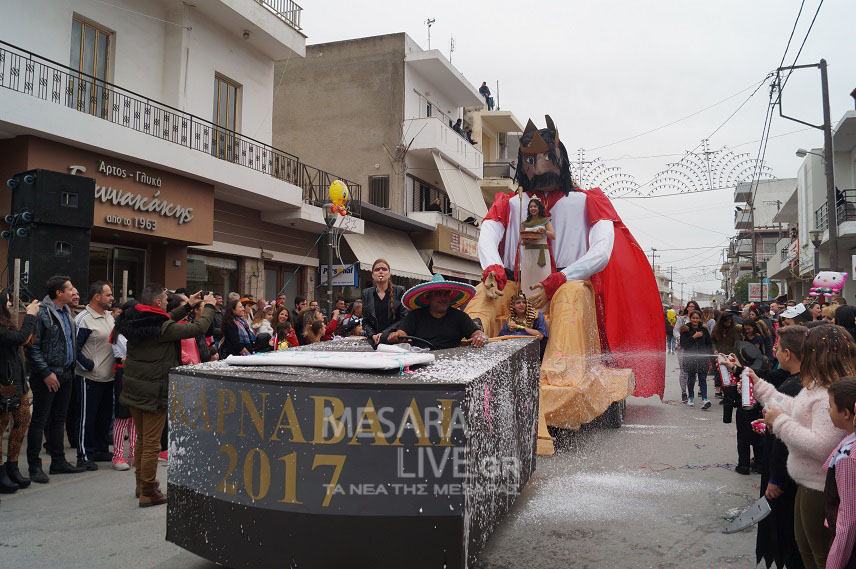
[595, 284]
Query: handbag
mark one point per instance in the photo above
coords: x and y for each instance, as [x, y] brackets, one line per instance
[9, 398]
[190, 352]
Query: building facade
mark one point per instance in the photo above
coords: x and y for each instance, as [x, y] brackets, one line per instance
[383, 111]
[166, 101]
[757, 231]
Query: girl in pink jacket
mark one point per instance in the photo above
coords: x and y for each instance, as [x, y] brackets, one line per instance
[804, 425]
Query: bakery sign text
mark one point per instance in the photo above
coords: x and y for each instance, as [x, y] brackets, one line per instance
[135, 201]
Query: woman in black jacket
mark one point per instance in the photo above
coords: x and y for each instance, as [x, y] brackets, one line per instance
[382, 308]
[238, 337]
[697, 351]
[14, 390]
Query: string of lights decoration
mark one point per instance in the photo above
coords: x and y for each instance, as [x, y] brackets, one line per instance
[699, 170]
[613, 180]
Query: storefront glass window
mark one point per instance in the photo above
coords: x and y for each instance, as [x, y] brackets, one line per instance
[217, 274]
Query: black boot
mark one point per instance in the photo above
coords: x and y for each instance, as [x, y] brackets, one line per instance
[6, 484]
[16, 476]
[38, 475]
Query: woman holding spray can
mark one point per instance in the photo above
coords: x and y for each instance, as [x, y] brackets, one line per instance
[804, 425]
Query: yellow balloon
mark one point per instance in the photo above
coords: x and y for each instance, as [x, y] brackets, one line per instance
[339, 193]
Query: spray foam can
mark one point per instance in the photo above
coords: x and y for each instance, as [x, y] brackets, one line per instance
[747, 390]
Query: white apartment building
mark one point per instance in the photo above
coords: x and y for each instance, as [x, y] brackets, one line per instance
[756, 224]
[131, 92]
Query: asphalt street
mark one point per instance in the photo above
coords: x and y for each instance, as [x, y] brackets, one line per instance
[651, 494]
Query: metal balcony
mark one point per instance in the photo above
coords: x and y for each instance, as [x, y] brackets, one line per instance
[286, 10]
[845, 209]
[25, 72]
[742, 220]
[743, 193]
[499, 170]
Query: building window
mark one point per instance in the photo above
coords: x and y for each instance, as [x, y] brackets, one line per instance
[379, 191]
[226, 93]
[90, 57]
[218, 274]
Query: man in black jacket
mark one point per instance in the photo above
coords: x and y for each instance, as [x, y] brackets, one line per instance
[51, 358]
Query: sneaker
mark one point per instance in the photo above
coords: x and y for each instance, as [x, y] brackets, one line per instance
[718, 395]
[163, 456]
[683, 397]
[744, 470]
[120, 464]
[690, 402]
[705, 404]
[86, 464]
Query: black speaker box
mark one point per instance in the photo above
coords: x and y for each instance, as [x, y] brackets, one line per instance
[50, 250]
[54, 197]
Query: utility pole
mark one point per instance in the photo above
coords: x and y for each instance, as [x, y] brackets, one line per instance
[826, 127]
[751, 205]
[831, 200]
[671, 285]
[653, 259]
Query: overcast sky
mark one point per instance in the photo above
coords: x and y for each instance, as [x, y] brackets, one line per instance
[609, 70]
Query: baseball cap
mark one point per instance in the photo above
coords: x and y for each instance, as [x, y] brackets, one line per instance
[793, 311]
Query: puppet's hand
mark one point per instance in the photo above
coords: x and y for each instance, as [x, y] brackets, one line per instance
[545, 290]
[494, 280]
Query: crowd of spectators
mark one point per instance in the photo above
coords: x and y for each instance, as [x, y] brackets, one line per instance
[797, 429]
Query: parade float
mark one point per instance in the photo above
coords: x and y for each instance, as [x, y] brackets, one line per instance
[348, 453]
[339, 455]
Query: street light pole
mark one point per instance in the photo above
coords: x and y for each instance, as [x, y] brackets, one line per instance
[826, 127]
[331, 221]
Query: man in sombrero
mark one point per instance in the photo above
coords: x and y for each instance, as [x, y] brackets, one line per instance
[435, 316]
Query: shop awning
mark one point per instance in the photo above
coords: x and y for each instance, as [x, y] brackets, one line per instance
[394, 246]
[450, 266]
[463, 190]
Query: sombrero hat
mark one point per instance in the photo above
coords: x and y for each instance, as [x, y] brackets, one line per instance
[417, 297]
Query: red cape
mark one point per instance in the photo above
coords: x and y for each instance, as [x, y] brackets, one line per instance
[630, 312]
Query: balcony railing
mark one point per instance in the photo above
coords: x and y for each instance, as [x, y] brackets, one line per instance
[431, 199]
[845, 209]
[28, 73]
[499, 170]
[286, 10]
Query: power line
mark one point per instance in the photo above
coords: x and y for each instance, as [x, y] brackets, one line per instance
[796, 21]
[802, 45]
[722, 124]
[673, 154]
[635, 136]
[679, 220]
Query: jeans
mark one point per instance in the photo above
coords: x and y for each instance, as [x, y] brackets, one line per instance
[670, 343]
[813, 539]
[696, 370]
[149, 427]
[49, 412]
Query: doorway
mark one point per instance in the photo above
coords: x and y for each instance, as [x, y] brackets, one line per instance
[281, 278]
[125, 267]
